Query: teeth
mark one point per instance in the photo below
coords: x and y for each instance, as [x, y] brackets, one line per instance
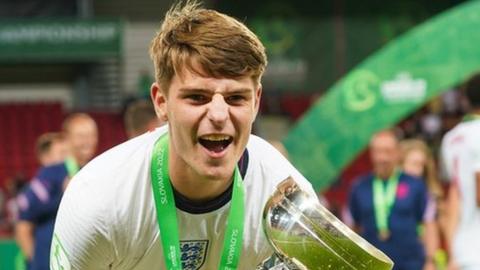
[216, 137]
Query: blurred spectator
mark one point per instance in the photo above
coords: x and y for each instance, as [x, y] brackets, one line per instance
[461, 157]
[2, 211]
[38, 203]
[417, 160]
[387, 205]
[81, 133]
[140, 117]
[431, 125]
[8, 207]
[451, 101]
[50, 149]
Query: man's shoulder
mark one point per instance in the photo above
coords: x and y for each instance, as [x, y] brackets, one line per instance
[52, 171]
[126, 156]
[363, 181]
[265, 155]
[115, 174]
[461, 132]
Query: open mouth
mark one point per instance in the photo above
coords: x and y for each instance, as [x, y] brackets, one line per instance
[215, 143]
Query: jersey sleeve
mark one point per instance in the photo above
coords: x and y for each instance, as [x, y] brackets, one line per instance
[81, 239]
[38, 201]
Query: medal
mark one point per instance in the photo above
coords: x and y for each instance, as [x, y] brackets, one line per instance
[384, 235]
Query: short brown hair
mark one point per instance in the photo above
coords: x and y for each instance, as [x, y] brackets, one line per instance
[220, 44]
[45, 142]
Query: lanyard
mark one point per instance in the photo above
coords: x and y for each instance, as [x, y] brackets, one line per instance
[383, 200]
[72, 166]
[167, 215]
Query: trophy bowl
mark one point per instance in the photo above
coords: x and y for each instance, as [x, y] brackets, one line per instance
[307, 235]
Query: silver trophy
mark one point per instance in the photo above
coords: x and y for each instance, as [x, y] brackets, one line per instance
[307, 236]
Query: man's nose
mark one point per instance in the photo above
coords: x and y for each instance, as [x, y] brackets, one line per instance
[218, 110]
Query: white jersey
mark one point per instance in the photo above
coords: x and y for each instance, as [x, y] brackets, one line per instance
[461, 160]
[107, 217]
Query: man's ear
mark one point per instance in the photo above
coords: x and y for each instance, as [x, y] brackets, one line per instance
[258, 96]
[159, 100]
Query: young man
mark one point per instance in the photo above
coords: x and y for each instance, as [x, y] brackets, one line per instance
[461, 160]
[211, 178]
[388, 205]
[38, 204]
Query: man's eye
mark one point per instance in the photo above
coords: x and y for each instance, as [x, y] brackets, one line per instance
[197, 98]
[235, 98]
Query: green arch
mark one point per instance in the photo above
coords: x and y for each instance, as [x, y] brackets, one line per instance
[387, 86]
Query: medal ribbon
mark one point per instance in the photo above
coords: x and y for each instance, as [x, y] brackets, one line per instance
[383, 200]
[167, 215]
[72, 166]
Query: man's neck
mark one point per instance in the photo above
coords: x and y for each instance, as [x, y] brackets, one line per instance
[385, 175]
[192, 185]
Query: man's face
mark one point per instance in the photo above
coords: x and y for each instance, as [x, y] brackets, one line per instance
[384, 154]
[83, 139]
[210, 120]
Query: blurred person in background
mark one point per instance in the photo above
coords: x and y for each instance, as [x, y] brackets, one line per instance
[50, 149]
[461, 161]
[417, 160]
[140, 117]
[387, 205]
[8, 207]
[81, 133]
[39, 202]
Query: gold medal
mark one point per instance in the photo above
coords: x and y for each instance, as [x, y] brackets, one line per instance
[384, 235]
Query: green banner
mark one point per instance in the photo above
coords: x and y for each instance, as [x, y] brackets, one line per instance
[60, 40]
[10, 256]
[385, 88]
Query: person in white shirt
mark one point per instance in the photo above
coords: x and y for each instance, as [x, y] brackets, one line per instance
[461, 160]
[189, 195]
